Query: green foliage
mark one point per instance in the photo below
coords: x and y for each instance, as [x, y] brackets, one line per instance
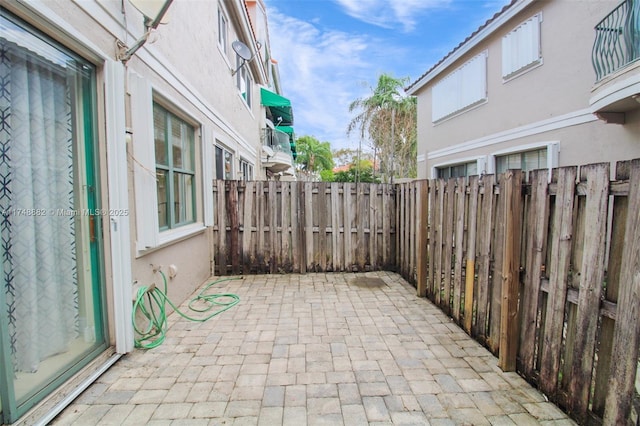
[313, 156]
[327, 176]
[389, 121]
[365, 173]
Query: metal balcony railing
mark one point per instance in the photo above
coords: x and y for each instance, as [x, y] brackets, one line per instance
[617, 40]
[277, 140]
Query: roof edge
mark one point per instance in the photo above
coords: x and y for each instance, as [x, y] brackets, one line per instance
[479, 35]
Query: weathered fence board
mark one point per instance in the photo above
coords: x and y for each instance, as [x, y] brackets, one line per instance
[469, 293]
[447, 251]
[561, 234]
[433, 232]
[460, 202]
[439, 243]
[536, 219]
[497, 258]
[592, 271]
[626, 337]
[614, 265]
[484, 257]
[422, 230]
[510, 193]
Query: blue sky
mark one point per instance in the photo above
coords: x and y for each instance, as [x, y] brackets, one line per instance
[331, 52]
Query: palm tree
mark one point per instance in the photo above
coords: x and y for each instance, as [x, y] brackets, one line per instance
[313, 156]
[389, 120]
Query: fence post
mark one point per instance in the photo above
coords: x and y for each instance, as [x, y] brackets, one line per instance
[423, 239]
[626, 336]
[511, 192]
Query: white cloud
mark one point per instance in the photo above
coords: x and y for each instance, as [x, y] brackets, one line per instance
[390, 13]
[321, 72]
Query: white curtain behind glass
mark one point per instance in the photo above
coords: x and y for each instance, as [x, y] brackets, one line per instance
[36, 184]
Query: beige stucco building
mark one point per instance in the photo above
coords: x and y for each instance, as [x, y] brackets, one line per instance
[116, 119]
[522, 92]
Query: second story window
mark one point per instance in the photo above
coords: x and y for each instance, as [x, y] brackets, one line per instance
[521, 48]
[462, 89]
[243, 81]
[222, 30]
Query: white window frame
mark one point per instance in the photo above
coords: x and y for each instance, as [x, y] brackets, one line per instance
[245, 164]
[481, 162]
[244, 81]
[522, 48]
[172, 170]
[461, 90]
[553, 150]
[148, 235]
[223, 29]
[224, 149]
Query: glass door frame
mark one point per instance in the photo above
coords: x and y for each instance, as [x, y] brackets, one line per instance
[11, 409]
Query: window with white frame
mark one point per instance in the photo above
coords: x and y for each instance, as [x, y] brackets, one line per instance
[222, 29]
[246, 169]
[243, 80]
[224, 163]
[457, 170]
[462, 89]
[175, 169]
[525, 161]
[521, 47]
[165, 172]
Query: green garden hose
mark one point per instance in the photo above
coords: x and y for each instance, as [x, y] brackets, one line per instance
[154, 310]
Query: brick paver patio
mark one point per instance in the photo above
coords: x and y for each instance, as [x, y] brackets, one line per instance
[314, 349]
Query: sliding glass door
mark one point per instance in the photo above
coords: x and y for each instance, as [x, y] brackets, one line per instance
[51, 301]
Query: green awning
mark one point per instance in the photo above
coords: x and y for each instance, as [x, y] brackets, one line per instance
[277, 106]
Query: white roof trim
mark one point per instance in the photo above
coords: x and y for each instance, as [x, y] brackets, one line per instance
[473, 42]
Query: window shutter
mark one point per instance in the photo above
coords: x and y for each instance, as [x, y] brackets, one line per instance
[521, 47]
[463, 88]
[144, 163]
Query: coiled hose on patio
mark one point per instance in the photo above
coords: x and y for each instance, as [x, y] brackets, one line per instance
[151, 303]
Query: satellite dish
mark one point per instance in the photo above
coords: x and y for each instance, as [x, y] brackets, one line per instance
[243, 52]
[241, 49]
[150, 9]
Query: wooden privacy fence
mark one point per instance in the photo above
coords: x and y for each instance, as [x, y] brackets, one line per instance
[546, 275]
[544, 272]
[280, 227]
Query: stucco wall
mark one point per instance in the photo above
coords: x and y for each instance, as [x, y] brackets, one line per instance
[558, 90]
